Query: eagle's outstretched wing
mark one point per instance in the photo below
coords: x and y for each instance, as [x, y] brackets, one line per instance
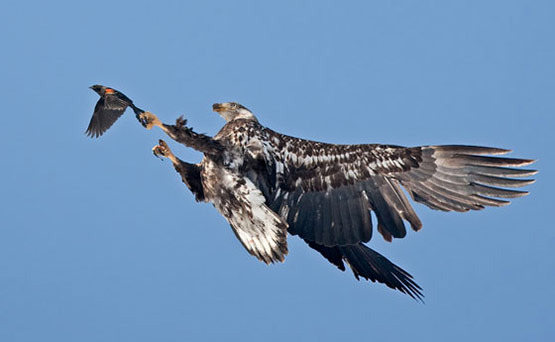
[326, 191]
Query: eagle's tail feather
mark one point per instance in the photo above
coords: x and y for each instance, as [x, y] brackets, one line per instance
[370, 265]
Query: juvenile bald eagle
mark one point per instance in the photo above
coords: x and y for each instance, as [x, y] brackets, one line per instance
[267, 184]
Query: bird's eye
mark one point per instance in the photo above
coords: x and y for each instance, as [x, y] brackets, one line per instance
[234, 106]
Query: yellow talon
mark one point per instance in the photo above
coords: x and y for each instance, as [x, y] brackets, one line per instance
[149, 120]
[163, 150]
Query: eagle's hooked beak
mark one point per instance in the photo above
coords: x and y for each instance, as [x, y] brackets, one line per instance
[218, 107]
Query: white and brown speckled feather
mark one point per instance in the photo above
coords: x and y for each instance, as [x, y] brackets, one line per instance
[458, 178]
[261, 231]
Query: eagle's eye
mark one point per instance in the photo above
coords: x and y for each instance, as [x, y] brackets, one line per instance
[234, 106]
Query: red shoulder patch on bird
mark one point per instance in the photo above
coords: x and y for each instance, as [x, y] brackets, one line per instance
[109, 91]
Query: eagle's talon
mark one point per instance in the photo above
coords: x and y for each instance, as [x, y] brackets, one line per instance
[142, 121]
[163, 150]
[149, 120]
[157, 153]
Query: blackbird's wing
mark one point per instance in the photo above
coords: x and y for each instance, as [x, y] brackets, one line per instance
[107, 110]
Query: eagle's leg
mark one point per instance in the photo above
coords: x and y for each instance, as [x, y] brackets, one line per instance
[190, 173]
[183, 134]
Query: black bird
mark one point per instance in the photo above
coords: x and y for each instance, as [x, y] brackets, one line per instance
[108, 109]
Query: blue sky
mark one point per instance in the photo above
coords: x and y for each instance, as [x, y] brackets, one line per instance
[100, 241]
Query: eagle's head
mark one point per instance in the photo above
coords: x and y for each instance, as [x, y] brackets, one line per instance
[232, 111]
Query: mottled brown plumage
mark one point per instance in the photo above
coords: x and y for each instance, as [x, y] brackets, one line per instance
[324, 193]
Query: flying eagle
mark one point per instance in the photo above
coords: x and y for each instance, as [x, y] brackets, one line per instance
[267, 184]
